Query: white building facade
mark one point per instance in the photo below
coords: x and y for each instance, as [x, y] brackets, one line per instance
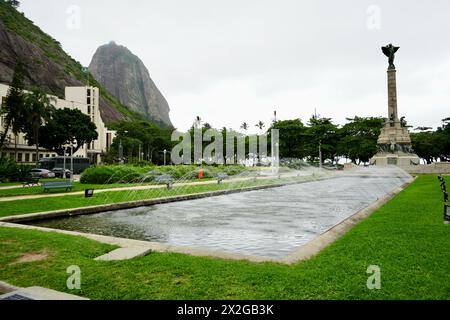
[85, 99]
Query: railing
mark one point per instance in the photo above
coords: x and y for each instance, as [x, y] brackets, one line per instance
[446, 203]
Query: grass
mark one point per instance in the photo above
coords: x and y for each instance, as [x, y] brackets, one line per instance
[17, 207]
[406, 238]
[77, 186]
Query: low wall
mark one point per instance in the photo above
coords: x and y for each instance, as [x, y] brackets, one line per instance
[435, 168]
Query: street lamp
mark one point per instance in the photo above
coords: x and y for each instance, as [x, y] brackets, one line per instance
[71, 162]
[121, 148]
[121, 152]
[165, 153]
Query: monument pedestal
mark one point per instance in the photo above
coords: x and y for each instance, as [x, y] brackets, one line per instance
[395, 159]
[394, 143]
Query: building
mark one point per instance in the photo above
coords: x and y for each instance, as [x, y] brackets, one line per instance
[85, 99]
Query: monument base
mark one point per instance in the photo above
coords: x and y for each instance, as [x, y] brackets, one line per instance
[399, 159]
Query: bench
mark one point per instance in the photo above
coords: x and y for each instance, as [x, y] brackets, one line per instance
[50, 185]
[221, 177]
[165, 179]
[30, 182]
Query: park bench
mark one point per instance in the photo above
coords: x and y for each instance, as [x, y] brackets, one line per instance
[30, 182]
[63, 184]
[221, 177]
[165, 179]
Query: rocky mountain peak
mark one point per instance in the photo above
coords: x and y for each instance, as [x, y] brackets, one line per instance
[126, 77]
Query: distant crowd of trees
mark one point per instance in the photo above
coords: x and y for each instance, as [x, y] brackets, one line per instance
[355, 141]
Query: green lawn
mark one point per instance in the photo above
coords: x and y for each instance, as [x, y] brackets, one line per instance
[406, 238]
[77, 186]
[17, 207]
[36, 190]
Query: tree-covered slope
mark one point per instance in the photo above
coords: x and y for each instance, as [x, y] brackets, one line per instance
[47, 66]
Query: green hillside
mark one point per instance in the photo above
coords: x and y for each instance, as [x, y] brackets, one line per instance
[16, 23]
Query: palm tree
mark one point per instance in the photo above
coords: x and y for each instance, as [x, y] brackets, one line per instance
[261, 125]
[38, 109]
[245, 126]
[198, 122]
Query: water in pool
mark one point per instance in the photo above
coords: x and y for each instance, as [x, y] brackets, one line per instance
[269, 223]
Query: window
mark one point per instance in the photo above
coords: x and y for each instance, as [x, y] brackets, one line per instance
[89, 100]
[41, 156]
[34, 157]
[19, 157]
[89, 92]
[12, 155]
[47, 156]
[27, 157]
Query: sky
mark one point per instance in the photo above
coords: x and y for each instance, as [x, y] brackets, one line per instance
[238, 61]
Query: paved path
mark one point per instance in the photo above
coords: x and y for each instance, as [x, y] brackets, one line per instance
[18, 186]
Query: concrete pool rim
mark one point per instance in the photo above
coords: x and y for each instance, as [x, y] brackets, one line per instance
[302, 253]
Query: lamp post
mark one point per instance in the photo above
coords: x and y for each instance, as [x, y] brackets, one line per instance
[165, 153]
[122, 161]
[320, 154]
[121, 152]
[71, 162]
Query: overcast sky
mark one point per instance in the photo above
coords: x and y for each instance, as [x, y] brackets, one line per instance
[239, 60]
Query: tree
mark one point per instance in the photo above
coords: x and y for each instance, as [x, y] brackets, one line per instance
[38, 110]
[427, 145]
[444, 131]
[432, 145]
[152, 139]
[14, 3]
[13, 108]
[293, 137]
[322, 134]
[198, 122]
[245, 126]
[261, 125]
[359, 137]
[68, 127]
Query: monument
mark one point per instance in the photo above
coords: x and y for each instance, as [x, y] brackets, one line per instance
[394, 143]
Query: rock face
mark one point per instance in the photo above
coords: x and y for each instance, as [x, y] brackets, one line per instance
[46, 66]
[125, 76]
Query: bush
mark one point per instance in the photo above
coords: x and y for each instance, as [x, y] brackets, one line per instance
[114, 174]
[12, 172]
[138, 174]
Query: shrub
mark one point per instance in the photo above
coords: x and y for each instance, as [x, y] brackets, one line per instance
[113, 174]
[109, 174]
[11, 172]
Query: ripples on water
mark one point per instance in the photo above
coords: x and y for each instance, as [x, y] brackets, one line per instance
[269, 223]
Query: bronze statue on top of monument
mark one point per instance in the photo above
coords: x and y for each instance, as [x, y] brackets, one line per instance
[394, 143]
[390, 52]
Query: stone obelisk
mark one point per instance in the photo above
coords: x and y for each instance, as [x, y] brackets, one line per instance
[394, 143]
